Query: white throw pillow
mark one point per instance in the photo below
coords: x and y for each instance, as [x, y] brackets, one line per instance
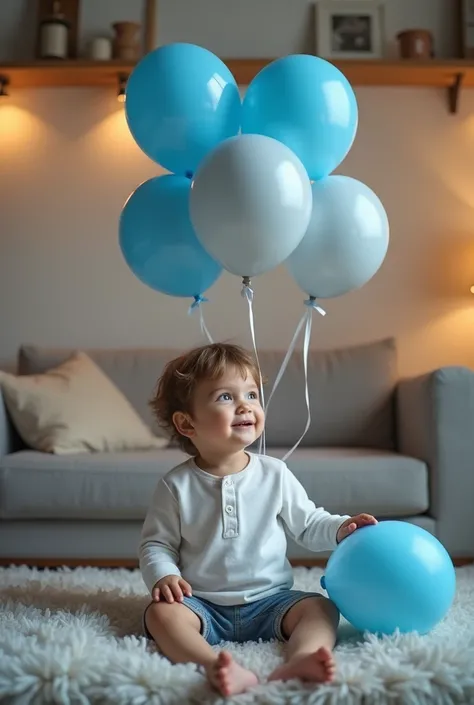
[74, 408]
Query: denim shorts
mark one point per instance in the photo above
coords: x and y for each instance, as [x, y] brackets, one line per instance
[261, 619]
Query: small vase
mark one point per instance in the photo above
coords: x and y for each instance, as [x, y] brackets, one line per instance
[126, 44]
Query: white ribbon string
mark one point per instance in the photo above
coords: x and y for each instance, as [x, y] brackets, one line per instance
[286, 359]
[307, 339]
[306, 320]
[311, 304]
[247, 293]
[204, 328]
[196, 306]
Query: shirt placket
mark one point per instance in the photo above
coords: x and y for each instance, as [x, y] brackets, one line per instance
[229, 507]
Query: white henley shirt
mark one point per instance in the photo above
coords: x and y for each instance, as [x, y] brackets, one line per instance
[226, 535]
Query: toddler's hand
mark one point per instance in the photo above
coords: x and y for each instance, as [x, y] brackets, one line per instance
[350, 525]
[171, 588]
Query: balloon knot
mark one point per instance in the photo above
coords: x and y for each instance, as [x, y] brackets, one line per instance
[189, 174]
[247, 291]
[311, 303]
[198, 300]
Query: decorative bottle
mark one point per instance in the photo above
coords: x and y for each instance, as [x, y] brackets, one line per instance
[54, 35]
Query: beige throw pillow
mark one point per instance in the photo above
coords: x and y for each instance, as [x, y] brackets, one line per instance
[74, 408]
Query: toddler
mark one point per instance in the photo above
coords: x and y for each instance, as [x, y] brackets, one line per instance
[213, 544]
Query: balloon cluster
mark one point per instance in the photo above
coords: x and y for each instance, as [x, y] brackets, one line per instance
[251, 184]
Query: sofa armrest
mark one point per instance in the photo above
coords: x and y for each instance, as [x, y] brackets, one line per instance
[435, 423]
[9, 439]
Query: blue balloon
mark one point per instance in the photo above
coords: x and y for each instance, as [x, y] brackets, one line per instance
[309, 105]
[158, 241]
[393, 575]
[181, 102]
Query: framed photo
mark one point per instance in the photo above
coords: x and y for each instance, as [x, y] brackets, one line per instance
[467, 29]
[349, 29]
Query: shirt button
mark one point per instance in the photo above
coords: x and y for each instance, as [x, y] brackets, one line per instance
[227, 483]
[229, 509]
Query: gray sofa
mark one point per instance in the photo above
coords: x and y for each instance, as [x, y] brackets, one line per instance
[395, 448]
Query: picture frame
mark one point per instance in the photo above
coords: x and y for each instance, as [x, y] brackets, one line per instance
[466, 13]
[350, 29]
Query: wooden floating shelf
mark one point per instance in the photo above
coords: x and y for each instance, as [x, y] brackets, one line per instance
[42, 74]
[451, 75]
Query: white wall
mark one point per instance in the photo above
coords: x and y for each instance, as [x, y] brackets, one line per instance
[68, 163]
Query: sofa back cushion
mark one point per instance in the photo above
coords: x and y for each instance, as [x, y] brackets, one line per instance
[351, 389]
[351, 393]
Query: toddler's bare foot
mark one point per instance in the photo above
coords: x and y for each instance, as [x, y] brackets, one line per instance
[228, 677]
[317, 667]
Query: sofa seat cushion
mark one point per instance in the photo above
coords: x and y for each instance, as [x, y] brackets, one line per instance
[97, 486]
[354, 480]
[35, 485]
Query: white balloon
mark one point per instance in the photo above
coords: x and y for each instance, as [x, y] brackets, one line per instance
[250, 203]
[346, 241]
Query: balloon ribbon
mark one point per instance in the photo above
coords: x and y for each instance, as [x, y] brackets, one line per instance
[247, 293]
[306, 321]
[196, 306]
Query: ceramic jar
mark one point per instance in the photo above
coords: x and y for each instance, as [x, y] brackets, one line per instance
[415, 44]
[126, 44]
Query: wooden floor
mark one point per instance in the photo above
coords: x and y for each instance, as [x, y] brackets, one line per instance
[132, 564]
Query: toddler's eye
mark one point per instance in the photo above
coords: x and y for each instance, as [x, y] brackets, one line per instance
[225, 397]
[253, 395]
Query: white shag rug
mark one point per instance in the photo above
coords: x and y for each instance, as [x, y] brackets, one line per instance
[74, 637]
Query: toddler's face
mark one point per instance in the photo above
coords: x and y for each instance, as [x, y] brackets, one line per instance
[227, 415]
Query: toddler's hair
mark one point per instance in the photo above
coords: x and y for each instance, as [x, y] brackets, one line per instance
[176, 386]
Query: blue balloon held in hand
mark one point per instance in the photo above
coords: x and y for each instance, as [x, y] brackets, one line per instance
[181, 102]
[394, 575]
[309, 105]
[158, 241]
